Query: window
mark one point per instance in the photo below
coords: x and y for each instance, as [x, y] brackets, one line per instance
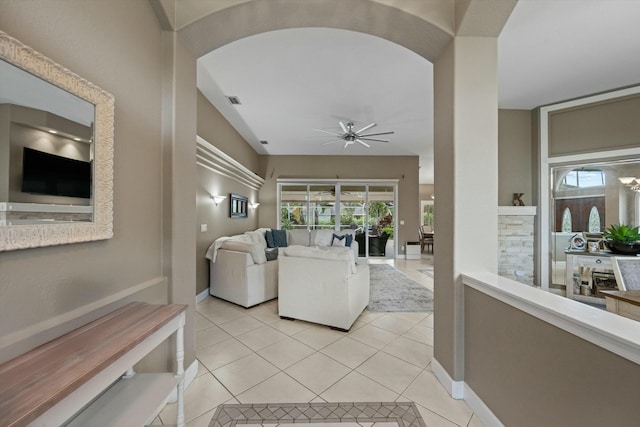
[594, 220]
[369, 208]
[583, 179]
[566, 221]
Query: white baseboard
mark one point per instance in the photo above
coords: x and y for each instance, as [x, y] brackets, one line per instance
[454, 388]
[461, 390]
[481, 411]
[202, 295]
[189, 375]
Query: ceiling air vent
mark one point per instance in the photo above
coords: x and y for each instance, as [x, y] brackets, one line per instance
[263, 142]
[234, 100]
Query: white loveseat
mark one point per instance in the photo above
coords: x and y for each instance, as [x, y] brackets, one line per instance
[239, 271]
[322, 285]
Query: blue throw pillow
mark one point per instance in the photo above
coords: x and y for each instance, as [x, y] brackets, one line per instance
[348, 238]
[268, 235]
[279, 238]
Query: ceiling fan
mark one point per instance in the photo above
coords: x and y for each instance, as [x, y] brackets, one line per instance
[349, 136]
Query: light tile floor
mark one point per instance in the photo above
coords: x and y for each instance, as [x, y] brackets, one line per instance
[253, 356]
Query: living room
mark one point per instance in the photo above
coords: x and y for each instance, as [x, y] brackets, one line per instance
[154, 252]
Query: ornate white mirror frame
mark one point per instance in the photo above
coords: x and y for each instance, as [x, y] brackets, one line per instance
[21, 236]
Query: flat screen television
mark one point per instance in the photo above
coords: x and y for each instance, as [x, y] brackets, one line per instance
[44, 173]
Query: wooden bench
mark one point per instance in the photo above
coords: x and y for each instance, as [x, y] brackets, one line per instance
[78, 378]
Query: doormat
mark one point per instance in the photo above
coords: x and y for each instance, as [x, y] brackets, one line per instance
[384, 414]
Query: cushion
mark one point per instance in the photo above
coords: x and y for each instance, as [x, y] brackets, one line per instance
[298, 237]
[323, 237]
[280, 238]
[256, 252]
[271, 254]
[344, 240]
[323, 252]
[257, 237]
[268, 235]
[276, 238]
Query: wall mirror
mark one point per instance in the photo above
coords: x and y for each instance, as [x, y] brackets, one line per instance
[56, 152]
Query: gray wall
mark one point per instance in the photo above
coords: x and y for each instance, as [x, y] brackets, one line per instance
[595, 127]
[425, 191]
[214, 128]
[118, 46]
[514, 156]
[531, 373]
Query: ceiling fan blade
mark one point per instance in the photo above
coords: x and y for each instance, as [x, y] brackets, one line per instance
[375, 139]
[332, 142]
[369, 126]
[381, 133]
[346, 144]
[326, 131]
[363, 143]
[344, 128]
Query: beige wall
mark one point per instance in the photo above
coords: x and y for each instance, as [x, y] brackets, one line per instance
[595, 127]
[214, 128]
[217, 131]
[118, 46]
[425, 191]
[531, 373]
[404, 169]
[514, 156]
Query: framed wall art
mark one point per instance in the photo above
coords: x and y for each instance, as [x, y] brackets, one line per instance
[238, 206]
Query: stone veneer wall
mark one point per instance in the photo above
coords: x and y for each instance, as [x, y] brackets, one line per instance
[516, 243]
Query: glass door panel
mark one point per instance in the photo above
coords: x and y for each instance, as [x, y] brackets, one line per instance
[293, 207]
[381, 224]
[322, 205]
[353, 199]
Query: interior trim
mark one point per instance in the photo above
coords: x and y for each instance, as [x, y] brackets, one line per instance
[215, 160]
[480, 409]
[454, 388]
[607, 330]
[53, 322]
[543, 264]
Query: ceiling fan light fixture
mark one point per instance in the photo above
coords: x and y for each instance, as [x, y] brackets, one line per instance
[351, 137]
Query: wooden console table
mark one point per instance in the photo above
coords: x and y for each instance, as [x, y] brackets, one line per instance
[624, 303]
[77, 379]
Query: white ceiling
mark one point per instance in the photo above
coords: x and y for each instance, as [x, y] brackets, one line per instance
[291, 82]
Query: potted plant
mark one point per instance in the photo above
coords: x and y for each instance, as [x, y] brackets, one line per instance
[622, 239]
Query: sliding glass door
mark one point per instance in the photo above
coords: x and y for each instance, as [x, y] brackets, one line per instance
[367, 208]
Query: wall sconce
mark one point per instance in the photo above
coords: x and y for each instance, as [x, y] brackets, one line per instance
[253, 205]
[218, 199]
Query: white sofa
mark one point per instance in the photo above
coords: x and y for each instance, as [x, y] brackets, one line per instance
[322, 285]
[240, 272]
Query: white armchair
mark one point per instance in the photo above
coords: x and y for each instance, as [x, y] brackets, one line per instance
[322, 286]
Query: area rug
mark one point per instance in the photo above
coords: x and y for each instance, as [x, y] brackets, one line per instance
[394, 291]
[354, 414]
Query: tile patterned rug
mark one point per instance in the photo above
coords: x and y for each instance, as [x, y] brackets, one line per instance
[353, 414]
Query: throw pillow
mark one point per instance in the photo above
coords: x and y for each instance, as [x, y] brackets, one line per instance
[344, 240]
[279, 238]
[271, 254]
[268, 235]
